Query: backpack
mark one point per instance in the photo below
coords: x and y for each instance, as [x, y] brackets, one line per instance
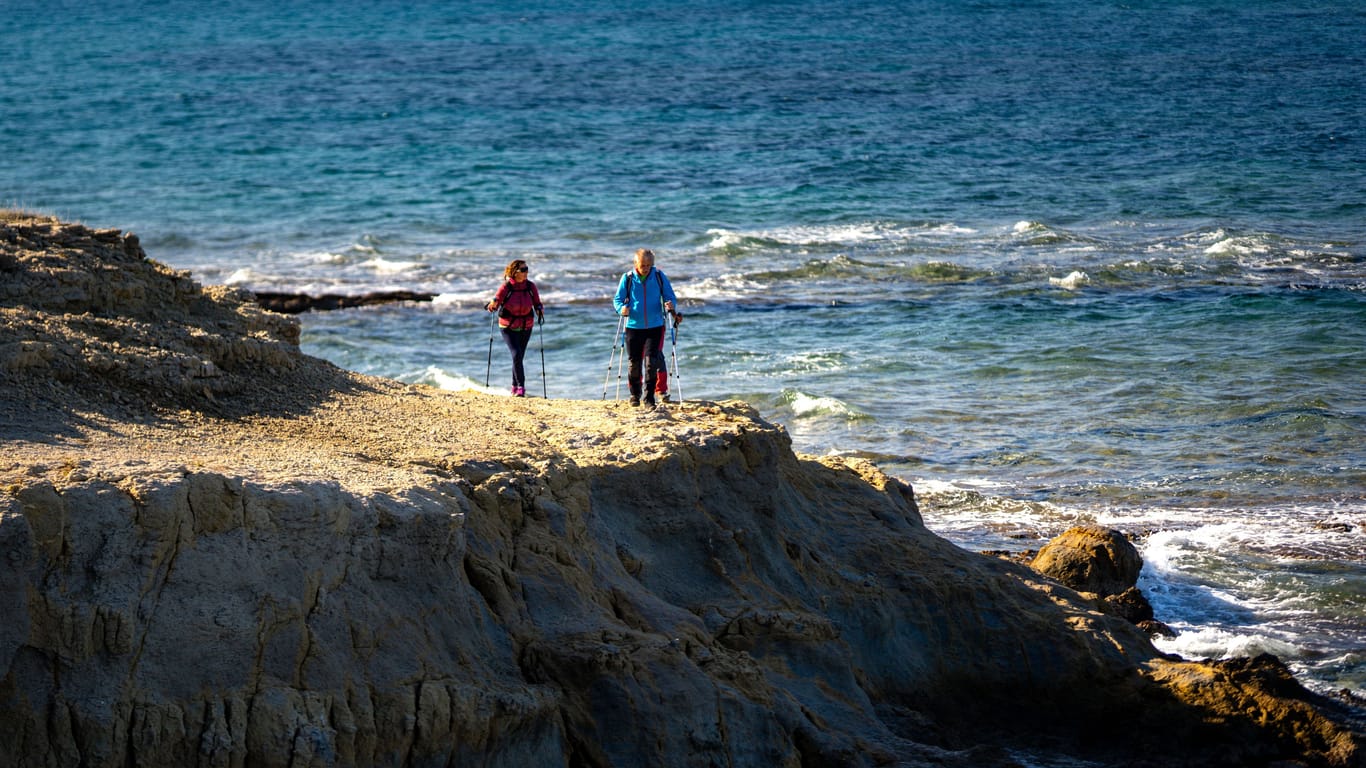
[518, 302]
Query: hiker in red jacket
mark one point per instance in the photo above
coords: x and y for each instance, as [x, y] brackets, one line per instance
[518, 305]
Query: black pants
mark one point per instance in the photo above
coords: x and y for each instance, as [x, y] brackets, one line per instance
[517, 342]
[644, 345]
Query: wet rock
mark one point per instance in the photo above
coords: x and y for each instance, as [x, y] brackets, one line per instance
[296, 303]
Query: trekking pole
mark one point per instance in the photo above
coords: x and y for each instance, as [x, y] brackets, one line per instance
[621, 358]
[544, 392]
[608, 376]
[673, 343]
[489, 371]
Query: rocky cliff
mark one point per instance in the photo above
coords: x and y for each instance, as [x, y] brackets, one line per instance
[219, 551]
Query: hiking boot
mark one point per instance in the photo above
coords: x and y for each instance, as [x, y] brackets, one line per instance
[650, 402]
[663, 397]
[519, 391]
[635, 401]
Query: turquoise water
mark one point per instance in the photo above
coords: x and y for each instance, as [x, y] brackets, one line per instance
[1051, 262]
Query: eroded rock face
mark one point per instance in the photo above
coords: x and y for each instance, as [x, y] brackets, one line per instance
[679, 592]
[202, 619]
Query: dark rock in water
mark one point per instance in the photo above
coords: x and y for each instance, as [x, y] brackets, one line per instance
[1090, 558]
[1155, 628]
[1103, 564]
[296, 303]
[1129, 605]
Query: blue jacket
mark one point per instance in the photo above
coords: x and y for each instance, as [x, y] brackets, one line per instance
[645, 298]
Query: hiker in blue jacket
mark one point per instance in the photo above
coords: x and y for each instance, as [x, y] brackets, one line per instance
[643, 296]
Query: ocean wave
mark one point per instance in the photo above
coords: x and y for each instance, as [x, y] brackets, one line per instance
[461, 299]
[1216, 643]
[982, 515]
[1225, 244]
[435, 376]
[857, 235]
[835, 234]
[241, 276]
[839, 267]
[1035, 233]
[317, 257]
[729, 286]
[816, 360]
[804, 405]
[1076, 279]
[943, 272]
[385, 266]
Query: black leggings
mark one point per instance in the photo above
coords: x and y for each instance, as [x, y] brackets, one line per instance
[645, 344]
[517, 342]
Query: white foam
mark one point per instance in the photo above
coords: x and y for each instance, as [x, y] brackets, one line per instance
[1072, 281]
[318, 257]
[454, 382]
[951, 229]
[1163, 550]
[848, 233]
[803, 404]
[462, 299]
[815, 360]
[1216, 643]
[722, 287]
[930, 487]
[833, 234]
[390, 267]
[722, 238]
[241, 276]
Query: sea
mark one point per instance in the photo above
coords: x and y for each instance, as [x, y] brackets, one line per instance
[1053, 263]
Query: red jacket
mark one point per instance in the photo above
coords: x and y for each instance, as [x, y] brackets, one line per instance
[517, 305]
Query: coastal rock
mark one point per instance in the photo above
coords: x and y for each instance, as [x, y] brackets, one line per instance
[1091, 558]
[88, 307]
[1103, 565]
[315, 567]
[296, 303]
